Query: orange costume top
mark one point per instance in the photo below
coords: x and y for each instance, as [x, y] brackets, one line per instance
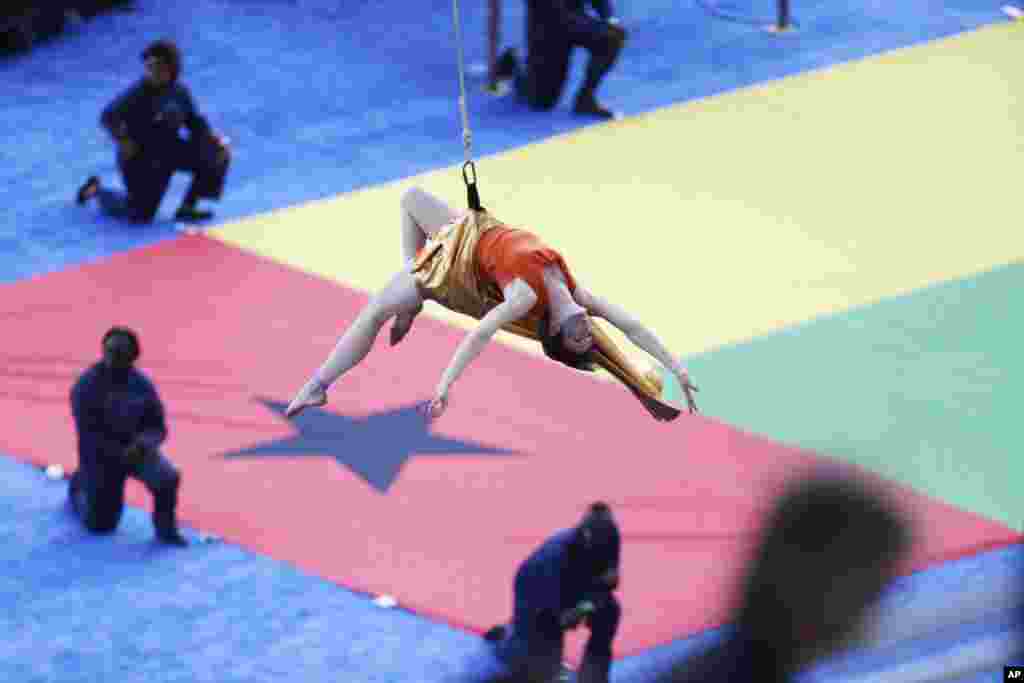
[466, 264]
[504, 254]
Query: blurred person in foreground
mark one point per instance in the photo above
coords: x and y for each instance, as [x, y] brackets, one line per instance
[828, 550]
[145, 122]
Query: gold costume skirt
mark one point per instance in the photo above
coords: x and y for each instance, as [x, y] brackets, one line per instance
[446, 272]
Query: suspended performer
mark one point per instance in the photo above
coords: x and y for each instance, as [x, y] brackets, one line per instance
[507, 278]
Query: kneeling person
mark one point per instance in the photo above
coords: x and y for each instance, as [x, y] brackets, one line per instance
[567, 582]
[146, 121]
[120, 423]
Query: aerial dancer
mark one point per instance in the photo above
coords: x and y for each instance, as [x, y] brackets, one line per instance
[507, 278]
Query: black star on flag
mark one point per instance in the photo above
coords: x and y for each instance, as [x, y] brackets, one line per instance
[375, 447]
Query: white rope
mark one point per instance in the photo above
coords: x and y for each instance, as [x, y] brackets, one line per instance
[467, 135]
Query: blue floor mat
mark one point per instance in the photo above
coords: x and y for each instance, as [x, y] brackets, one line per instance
[123, 608]
[323, 97]
[319, 98]
[77, 607]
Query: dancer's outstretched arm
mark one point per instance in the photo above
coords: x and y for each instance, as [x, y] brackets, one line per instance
[639, 334]
[519, 299]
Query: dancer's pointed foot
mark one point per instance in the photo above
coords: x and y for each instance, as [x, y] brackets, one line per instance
[312, 395]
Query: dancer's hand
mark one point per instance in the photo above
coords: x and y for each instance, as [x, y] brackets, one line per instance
[689, 389]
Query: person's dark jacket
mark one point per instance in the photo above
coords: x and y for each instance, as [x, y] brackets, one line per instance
[556, 578]
[153, 118]
[114, 410]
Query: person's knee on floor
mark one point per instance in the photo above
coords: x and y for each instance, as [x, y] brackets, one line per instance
[540, 81]
[99, 508]
[138, 203]
[104, 517]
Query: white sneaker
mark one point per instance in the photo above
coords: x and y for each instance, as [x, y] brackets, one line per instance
[313, 395]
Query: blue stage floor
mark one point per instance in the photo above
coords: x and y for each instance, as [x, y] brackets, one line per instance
[318, 101]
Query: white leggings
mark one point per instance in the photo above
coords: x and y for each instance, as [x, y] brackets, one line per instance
[423, 214]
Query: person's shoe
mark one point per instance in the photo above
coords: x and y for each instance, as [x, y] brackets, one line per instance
[172, 537]
[495, 634]
[312, 395]
[587, 105]
[507, 65]
[190, 214]
[88, 190]
[1014, 11]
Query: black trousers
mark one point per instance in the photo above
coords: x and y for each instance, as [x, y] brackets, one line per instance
[541, 81]
[532, 655]
[97, 492]
[148, 174]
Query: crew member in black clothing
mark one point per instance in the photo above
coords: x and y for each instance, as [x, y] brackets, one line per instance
[553, 29]
[567, 582]
[120, 423]
[146, 122]
[828, 551]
